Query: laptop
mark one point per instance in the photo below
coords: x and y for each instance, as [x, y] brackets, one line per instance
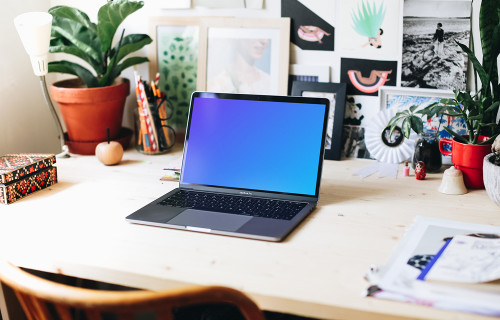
[251, 166]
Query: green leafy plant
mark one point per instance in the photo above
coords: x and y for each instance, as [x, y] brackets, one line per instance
[73, 33]
[411, 119]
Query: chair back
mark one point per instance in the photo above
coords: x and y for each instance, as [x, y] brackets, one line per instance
[43, 299]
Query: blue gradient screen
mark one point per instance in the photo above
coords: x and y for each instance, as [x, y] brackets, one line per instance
[258, 145]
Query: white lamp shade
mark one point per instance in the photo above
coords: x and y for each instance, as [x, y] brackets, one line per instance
[34, 31]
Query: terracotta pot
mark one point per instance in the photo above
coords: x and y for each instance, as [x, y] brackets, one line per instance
[468, 158]
[87, 112]
[491, 177]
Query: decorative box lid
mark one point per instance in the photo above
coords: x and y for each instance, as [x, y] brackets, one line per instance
[16, 166]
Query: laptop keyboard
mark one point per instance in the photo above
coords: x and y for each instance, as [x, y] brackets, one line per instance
[257, 207]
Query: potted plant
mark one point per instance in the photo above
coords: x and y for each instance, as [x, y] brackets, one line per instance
[491, 172]
[95, 100]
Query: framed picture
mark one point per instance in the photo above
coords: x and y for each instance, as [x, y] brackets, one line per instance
[174, 55]
[244, 55]
[309, 73]
[335, 92]
[403, 98]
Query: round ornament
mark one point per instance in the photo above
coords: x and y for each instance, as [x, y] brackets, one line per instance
[387, 148]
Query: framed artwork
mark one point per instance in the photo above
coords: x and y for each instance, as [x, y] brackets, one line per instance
[335, 92]
[370, 27]
[309, 30]
[309, 73]
[174, 55]
[365, 77]
[431, 58]
[244, 55]
[398, 99]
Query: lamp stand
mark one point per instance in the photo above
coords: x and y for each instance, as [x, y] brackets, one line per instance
[64, 147]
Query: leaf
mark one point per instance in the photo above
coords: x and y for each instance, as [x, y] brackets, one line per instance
[476, 117]
[110, 16]
[132, 43]
[77, 52]
[81, 40]
[489, 141]
[477, 65]
[489, 23]
[117, 70]
[73, 14]
[416, 124]
[74, 69]
[406, 127]
[458, 137]
[493, 107]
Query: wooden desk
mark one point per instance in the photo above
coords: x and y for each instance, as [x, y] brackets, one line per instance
[77, 228]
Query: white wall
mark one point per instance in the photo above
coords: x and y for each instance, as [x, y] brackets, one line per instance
[25, 122]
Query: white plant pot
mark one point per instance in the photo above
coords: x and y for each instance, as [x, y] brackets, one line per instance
[491, 177]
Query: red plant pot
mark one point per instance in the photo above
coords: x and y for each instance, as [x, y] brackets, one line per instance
[468, 158]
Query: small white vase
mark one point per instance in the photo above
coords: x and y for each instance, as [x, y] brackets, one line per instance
[491, 177]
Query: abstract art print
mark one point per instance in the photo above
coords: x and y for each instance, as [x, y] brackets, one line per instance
[365, 77]
[431, 57]
[175, 58]
[308, 30]
[370, 26]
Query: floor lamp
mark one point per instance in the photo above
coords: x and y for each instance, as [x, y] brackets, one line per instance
[34, 31]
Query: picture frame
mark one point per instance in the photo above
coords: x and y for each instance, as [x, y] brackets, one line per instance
[174, 55]
[336, 93]
[402, 98]
[309, 73]
[263, 41]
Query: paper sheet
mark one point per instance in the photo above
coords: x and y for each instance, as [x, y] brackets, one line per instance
[468, 259]
[383, 169]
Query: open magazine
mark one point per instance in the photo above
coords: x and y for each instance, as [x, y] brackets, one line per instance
[424, 243]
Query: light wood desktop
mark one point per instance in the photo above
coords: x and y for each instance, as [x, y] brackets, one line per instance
[77, 227]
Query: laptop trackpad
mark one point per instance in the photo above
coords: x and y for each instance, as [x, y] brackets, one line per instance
[209, 220]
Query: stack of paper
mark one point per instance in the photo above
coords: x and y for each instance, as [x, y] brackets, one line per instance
[444, 264]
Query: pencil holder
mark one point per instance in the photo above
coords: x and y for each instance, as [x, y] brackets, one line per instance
[152, 133]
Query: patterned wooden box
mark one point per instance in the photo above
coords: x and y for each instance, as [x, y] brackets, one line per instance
[22, 174]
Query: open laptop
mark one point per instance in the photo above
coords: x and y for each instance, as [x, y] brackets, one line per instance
[251, 166]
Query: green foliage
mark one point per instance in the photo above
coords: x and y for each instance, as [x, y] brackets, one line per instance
[73, 33]
[489, 27]
[368, 19]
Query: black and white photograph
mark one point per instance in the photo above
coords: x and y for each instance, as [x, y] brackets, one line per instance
[431, 57]
[353, 142]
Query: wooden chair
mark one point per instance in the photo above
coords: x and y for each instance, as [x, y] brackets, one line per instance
[41, 298]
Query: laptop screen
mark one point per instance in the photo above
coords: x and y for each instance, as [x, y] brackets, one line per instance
[263, 143]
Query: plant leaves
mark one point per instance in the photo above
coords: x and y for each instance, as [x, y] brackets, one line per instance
[458, 137]
[110, 16]
[483, 75]
[73, 50]
[131, 43]
[74, 69]
[82, 40]
[489, 141]
[416, 124]
[406, 127]
[73, 14]
[489, 27]
[109, 77]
